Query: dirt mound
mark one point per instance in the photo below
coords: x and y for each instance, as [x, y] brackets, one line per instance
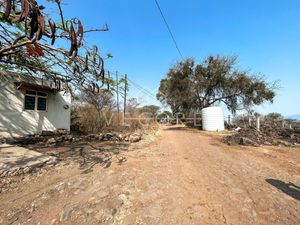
[267, 136]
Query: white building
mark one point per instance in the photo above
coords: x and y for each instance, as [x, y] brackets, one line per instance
[29, 105]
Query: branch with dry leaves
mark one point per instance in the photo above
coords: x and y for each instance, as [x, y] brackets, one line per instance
[34, 43]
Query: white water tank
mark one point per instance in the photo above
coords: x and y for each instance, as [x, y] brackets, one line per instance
[212, 119]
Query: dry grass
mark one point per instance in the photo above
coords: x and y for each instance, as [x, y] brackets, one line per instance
[86, 119]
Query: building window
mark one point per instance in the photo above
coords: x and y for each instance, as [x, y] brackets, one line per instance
[41, 104]
[35, 101]
[29, 102]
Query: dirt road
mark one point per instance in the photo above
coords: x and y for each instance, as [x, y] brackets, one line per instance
[183, 177]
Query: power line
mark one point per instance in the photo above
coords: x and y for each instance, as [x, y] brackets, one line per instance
[139, 87]
[146, 93]
[169, 29]
[143, 89]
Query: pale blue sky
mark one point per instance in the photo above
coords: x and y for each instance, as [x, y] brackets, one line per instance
[264, 34]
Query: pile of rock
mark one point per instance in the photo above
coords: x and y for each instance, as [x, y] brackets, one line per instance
[53, 139]
[117, 137]
[46, 133]
[26, 164]
[267, 136]
[32, 167]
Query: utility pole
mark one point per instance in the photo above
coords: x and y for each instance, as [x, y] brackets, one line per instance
[118, 106]
[108, 80]
[125, 97]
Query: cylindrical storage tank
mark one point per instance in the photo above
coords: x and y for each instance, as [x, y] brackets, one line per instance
[212, 119]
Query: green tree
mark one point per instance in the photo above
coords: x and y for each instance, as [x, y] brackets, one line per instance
[167, 113]
[164, 115]
[175, 90]
[275, 116]
[151, 109]
[216, 80]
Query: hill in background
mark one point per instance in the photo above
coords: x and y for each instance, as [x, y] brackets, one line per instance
[295, 117]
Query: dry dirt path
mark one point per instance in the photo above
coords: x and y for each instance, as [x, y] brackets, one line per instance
[184, 177]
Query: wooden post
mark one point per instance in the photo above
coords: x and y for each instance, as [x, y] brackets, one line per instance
[282, 124]
[229, 121]
[125, 97]
[118, 106]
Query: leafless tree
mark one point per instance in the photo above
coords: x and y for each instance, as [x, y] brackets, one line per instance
[100, 101]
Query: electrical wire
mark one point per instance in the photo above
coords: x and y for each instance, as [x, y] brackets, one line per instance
[169, 29]
[139, 87]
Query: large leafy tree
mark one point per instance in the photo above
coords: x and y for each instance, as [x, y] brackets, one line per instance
[216, 80]
[33, 42]
[175, 90]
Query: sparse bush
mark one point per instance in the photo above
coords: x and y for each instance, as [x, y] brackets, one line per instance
[86, 118]
[89, 120]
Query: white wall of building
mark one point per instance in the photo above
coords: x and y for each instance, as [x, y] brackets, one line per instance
[15, 121]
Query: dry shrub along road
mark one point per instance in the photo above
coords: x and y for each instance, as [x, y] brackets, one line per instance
[183, 177]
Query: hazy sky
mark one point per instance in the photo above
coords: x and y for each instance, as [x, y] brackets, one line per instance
[264, 34]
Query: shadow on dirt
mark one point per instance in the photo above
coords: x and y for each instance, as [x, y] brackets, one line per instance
[287, 188]
[175, 128]
[88, 155]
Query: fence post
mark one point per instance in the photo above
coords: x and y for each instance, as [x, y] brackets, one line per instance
[258, 123]
[282, 124]
[229, 121]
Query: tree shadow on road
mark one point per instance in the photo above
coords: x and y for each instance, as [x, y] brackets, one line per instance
[101, 155]
[88, 155]
[287, 188]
